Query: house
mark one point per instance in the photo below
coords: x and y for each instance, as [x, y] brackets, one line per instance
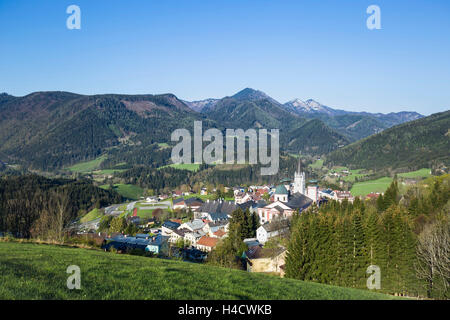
[210, 227]
[177, 193]
[168, 227]
[193, 237]
[372, 195]
[341, 195]
[242, 197]
[158, 245]
[152, 199]
[203, 192]
[283, 206]
[219, 234]
[270, 230]
[251, 242]
[215, 210]
[266, 260]
[206, 243]
[252, 205]
[194, 225]
[178, 234]
[192, 203]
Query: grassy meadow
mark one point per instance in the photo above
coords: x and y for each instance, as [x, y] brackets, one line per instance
[366, 187]
[128, 191]
[37, 271]
[88, 166]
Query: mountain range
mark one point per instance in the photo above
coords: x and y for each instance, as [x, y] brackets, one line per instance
[352, 125]
[53, 130]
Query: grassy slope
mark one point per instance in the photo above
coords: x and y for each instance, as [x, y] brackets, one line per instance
[92, 215]
[422, 173]
[32, 271]
[128, 191]
[184, 166]
[366, 187]
[85, 167]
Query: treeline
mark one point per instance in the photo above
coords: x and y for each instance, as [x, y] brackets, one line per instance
[31, 205]
[162, 180]
[338, 242]
[243, 225]
[156, 179]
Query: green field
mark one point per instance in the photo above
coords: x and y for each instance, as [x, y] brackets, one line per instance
[366, 187]
[317, 164]
[89, 166]
[354, 174]
[422, 173]
[128, 191]
[34, 271]
[94, 214]
[108, 171]
[184, 166]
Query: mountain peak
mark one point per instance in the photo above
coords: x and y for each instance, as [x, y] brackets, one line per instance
[250, 94]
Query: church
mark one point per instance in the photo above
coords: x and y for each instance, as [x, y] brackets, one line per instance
[290, 198]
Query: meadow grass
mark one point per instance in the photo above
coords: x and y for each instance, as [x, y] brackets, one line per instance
[129, 191]
[422, 173]
[366, 187]
[354, 174]
[183, 166]
[92, 215]
[37, 271]
[317, 164]
[88, 166]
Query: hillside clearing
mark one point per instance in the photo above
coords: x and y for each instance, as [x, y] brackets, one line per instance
[88, 166]
[366, 187]
[128, 191]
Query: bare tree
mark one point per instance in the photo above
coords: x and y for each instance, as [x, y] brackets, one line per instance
[53, 217]
[433, 251]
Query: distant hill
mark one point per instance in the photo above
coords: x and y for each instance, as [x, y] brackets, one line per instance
[54, 129]
[48, 131]
[354, 125]
[412, 145]
[254, 109]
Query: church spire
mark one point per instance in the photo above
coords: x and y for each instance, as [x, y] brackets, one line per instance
[299, 164]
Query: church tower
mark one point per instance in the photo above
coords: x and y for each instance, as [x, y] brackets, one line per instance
[299, 179]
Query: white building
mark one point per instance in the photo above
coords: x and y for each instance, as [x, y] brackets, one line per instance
[299, 180]
[270, 230]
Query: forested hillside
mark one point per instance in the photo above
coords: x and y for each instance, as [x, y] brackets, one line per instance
[412, 145]
[398, 233]
[30, 205]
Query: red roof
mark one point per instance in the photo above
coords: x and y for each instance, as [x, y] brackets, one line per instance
[373, 195]
[220, 233]
[207, 241]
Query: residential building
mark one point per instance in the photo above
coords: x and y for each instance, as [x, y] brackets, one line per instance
[168, 227]
[266, 260]
[206, 243]
[269, 230]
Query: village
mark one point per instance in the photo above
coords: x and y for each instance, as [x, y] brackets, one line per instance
[206, 222]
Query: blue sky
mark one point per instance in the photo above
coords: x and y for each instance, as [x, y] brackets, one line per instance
[198, 49]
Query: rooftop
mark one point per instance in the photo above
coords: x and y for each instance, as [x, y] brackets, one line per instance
[207, 241]
[281, 190]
